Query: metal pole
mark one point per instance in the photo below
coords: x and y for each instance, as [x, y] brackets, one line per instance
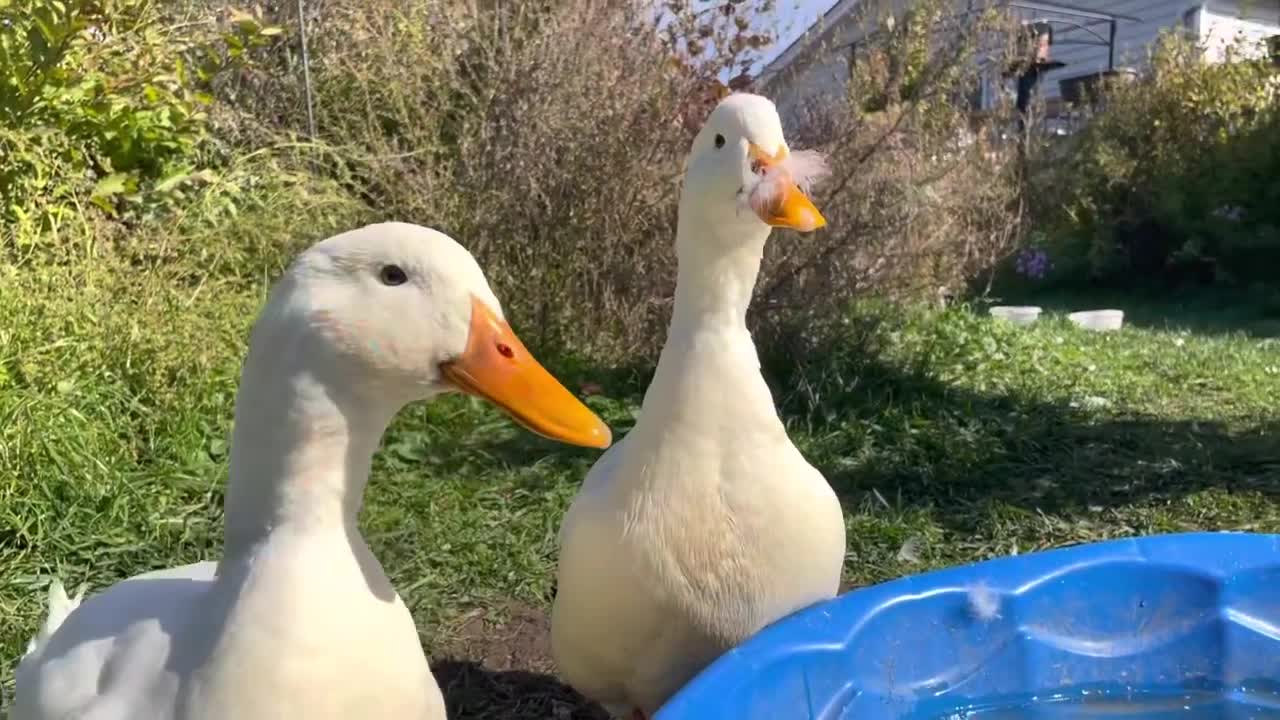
[1111, 47]
[306, 68]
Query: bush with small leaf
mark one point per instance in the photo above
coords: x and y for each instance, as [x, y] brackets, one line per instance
[104, 108]
[1177, 177]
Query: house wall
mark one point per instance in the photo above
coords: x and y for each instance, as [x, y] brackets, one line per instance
[1222, 23]
[816, 81]
[816, 73]
[1214, 23]
[821, 70]
[1133, 39]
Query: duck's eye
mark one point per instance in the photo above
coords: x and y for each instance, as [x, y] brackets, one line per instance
[719, 141]
[392, 275]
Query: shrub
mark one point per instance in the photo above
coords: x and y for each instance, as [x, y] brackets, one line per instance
[547, 137]
[922, 202]
[103, 104]
[1176, 178]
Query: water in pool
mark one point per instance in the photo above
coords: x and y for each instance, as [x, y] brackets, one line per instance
[1095, 705]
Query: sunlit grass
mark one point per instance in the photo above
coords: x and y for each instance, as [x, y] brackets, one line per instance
[950, 437]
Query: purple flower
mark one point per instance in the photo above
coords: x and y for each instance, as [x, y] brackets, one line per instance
[1033, 263]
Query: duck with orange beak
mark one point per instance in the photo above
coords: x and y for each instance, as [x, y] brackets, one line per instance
[705, 523]
[298, 619]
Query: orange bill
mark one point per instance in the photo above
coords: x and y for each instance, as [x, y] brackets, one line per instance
[497, 367]
[790, 207]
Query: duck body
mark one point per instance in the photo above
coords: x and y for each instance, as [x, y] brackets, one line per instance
[683, 542]
[183, 644]
[705, 523]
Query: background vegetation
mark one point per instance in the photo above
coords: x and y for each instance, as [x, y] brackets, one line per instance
[158, 169]
[1174, 181]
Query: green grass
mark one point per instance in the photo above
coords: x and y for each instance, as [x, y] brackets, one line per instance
[950, 438]
[962, 438]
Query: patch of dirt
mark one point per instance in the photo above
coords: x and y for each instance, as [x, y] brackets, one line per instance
[496, 665]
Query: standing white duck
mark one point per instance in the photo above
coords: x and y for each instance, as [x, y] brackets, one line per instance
[705, 523]
[298, 620]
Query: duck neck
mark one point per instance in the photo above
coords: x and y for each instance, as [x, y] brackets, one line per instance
[717, 269]
[708, 381]
[301, 450]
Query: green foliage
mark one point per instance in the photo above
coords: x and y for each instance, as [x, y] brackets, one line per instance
[893, 65]
[1179, 175]
[103, 102]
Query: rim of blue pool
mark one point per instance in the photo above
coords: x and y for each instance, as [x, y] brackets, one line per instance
[1189, 613]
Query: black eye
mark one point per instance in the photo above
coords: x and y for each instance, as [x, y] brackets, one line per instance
[719, 141]
[392, 275]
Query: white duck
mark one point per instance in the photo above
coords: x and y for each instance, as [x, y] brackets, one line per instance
[705, 523]
[298, 620]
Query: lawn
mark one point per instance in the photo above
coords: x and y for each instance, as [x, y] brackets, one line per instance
[950, 438]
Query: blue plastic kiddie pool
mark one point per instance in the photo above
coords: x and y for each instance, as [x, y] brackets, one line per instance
[1171, 626]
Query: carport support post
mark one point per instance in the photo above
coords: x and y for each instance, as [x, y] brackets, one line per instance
[1111, 47]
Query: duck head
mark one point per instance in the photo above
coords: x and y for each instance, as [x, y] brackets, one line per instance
[395, 312]
[741, 173]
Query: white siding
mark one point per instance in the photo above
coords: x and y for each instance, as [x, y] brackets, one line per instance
[820, 70]
[1133, 39]
[823, 79]
[1215, 22]
[1223, 23]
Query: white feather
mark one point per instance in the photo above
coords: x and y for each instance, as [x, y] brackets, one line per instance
[60, 606]
[984, 603]
[802, 167]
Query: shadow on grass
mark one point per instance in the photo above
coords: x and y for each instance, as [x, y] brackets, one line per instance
[961, 454]
[878, 430]
[881, 431]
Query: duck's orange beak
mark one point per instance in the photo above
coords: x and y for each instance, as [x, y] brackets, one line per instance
[497, 367]
[789, 207]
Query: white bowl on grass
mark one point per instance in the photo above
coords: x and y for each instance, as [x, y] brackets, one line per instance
[1101, 320]
[1016, 314]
